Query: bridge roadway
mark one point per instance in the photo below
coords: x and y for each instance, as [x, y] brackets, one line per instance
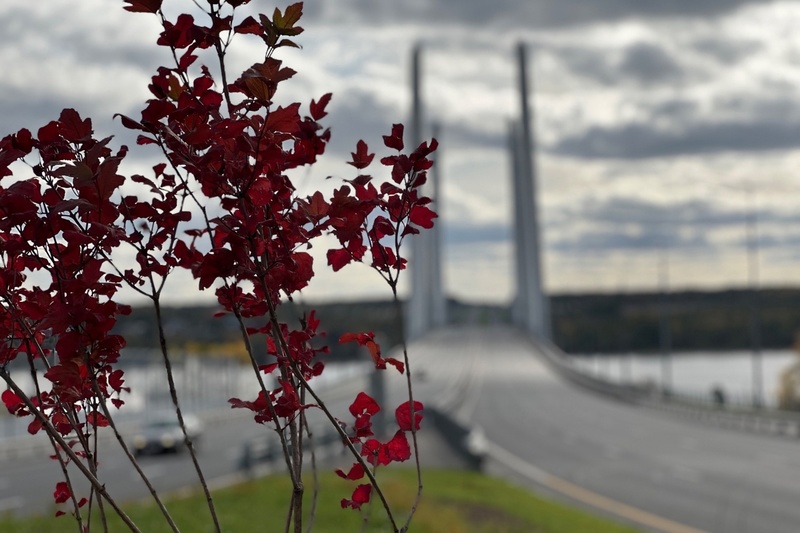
[638, 464]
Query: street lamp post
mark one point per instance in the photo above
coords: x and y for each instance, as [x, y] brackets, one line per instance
[754, 297]
[665, 331]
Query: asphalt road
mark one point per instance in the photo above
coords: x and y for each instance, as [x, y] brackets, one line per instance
[637, 464]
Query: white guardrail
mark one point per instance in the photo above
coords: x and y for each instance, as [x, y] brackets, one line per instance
[735, 417]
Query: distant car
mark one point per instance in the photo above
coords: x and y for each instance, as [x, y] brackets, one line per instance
[164, 435]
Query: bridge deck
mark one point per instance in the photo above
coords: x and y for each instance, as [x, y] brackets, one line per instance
[642, 465]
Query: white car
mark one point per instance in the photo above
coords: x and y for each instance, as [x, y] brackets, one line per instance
[163, 435]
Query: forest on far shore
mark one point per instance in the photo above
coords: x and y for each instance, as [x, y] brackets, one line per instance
[582, 323]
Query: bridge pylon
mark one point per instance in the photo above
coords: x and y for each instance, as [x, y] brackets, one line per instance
[426, 307]
[531, 309]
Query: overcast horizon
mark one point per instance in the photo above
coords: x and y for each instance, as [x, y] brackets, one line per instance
[660, 126]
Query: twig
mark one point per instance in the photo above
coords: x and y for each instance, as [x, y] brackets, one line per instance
[174, 396]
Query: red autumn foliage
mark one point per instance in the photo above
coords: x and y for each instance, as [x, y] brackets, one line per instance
[368, 341]
[360, 496]
[404, 417]
[220, 205]
[355, 472]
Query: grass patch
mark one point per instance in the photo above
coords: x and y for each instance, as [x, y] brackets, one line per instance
[452, 502]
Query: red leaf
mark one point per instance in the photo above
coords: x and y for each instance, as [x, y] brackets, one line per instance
[260, 191]
[399, 365]
[218, 263]
[382, 227]
[395, 140]
[97, 420]
[349, 337]
[35, 426]
[375, 352]
[371, 449]
[249, 25]
[360, 496]
[422, 216]
[361, 158]
[317, 206]
[186, 61]
[115, 380]
[72, 127]
[398, 448]
[364, 404]
[143, 6]
[303, 271]
[403, 415]
[356, 472]
[129, 122]
[48, 133]
[62, 492]
[338, 258]
[22, 140]
[178, 35]
[318, 108]
[268, 369]
[284, 119]
[12, 402]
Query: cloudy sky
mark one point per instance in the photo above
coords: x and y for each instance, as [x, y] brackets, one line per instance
[661, 126]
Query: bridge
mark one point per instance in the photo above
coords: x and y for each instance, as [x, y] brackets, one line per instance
[634, 454]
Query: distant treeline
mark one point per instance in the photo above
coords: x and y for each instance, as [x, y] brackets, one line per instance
[696, 320]
[582, 323]
[195, 327]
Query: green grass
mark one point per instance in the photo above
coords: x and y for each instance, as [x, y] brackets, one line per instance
[452, 502]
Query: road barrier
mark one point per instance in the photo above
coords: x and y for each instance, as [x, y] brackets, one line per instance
[709, 411]
[467, 441]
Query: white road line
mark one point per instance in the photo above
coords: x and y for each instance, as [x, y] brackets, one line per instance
[586, 496]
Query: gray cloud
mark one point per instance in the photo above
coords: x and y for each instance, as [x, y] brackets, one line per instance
[699, 212]
[648, 63]
[631, 224]
[587, 62]
[644, 239]
[513, 13]
[724, 50]
[641, 140]
[455, 235]
[643, 63]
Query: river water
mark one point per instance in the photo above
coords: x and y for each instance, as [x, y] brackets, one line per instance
[696, 373]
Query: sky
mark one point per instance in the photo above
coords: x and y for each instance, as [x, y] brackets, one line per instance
[667, 132]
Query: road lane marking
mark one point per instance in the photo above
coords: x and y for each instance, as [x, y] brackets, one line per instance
[586, 496]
